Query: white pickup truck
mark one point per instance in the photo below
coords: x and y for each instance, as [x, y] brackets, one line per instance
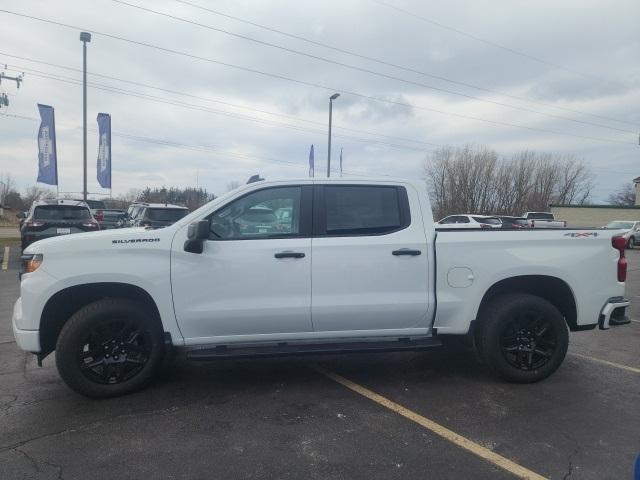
[543, 220]
[312, 266]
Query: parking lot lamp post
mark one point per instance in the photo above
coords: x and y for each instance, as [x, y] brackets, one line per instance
[331, 99]
[85, 37]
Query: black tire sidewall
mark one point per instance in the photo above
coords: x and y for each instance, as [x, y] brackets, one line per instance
[502, 311]
[75, 330]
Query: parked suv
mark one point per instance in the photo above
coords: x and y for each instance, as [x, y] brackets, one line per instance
[50, 218]
[154, 215]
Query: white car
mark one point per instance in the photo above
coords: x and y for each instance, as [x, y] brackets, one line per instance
[359, 267]
[468, 220]
[631, 231]
[543, 220]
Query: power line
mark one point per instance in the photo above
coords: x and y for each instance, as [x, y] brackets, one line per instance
[171, 143]
[315, 85]
[69, 80]
[197, 148]
[489, 42]
[208, 99]
[401, 67]
[366, 70]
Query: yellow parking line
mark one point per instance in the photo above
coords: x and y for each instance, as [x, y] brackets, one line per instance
[5, 259]
[607, 362]
[451, 436]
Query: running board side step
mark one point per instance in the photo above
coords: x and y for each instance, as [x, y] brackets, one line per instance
[283, 348]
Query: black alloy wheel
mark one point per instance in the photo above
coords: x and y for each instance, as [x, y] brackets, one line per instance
[528, 342]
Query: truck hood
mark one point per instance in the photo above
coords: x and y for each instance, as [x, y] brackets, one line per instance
[101, 240]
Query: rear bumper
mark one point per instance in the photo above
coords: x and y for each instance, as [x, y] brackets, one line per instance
[615, 307]
[28, 340]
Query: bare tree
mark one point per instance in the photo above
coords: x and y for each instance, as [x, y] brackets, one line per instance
[476, 180]
[35, 193]
[625, 196]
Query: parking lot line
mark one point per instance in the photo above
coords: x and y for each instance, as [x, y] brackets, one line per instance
[607, 362]
[444, 432]
[5, 258]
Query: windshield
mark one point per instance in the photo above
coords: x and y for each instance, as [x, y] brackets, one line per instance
[621, 225]
[166, 214]
[487, 220]
[61, 212]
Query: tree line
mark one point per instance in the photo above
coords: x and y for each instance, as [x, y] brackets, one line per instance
[475, 179]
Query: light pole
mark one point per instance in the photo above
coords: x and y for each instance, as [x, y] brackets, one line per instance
[331, 99]
[85, 37]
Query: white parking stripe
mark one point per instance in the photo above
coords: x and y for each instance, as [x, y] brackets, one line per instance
[607, 362]
[5, 259]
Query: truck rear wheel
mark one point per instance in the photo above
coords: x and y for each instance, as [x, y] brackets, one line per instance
[108, 348]
[523, 338]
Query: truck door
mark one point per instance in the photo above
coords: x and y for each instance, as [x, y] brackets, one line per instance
[254, 274]
[370, 259]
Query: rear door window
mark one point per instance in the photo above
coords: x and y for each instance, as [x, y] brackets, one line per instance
[363, 210]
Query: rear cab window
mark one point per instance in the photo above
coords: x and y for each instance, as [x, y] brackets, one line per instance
[61, 212]
[360, 210]
[166, 214]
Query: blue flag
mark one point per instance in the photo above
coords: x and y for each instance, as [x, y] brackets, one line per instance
[104, 150]
[340, 161]
[311, 162]
[47, 157]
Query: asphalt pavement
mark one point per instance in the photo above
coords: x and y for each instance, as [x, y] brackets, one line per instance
[396, 415]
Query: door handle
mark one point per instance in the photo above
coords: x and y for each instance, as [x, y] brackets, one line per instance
[289, 255]
[406, 251]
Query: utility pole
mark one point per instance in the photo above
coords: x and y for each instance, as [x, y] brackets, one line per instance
[85, 37]
[331, 99]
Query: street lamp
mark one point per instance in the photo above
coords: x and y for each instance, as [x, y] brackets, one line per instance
[331, 99]
[85, 37]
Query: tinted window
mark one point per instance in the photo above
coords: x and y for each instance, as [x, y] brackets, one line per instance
[166, 214]
[540, 216]
[95, 204]
[61, 212]
[361, 210]
[261, 214]
[461, 219]
[487, 220]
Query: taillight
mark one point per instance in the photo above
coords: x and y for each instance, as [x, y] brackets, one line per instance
[99, 216]
[91, 224]
[620, 243]
[34, 223]
[533, 224]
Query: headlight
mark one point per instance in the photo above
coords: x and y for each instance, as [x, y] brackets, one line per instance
[31, 262]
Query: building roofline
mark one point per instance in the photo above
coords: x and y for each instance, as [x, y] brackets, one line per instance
[618, 207]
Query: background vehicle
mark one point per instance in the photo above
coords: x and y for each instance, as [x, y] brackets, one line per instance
[469, 221]
[513, 222]
[544, 220]
[361, 269]
[56, 217]
[154, 215]
[631, 231]
[109, 217]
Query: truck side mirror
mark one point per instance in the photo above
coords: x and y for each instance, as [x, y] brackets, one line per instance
[21, 215]
[197, 233]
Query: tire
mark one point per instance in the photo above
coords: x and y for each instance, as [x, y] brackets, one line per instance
[631, 243]
[109, 348]
[523, 338]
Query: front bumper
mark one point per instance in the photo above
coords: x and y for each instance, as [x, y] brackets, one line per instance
[615, 307]
[28, 340]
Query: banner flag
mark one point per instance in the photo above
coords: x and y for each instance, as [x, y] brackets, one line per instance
[104, 150]
[311, 162]
[47, 157]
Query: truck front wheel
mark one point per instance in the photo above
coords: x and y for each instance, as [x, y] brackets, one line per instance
[109, 348]
[523, 338]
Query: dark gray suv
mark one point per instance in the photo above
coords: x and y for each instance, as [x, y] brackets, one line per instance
[51, 218]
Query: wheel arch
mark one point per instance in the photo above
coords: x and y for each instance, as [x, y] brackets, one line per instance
[63, 304]
[553, 289]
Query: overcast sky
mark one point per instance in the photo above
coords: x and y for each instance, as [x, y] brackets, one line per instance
[578, 60]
